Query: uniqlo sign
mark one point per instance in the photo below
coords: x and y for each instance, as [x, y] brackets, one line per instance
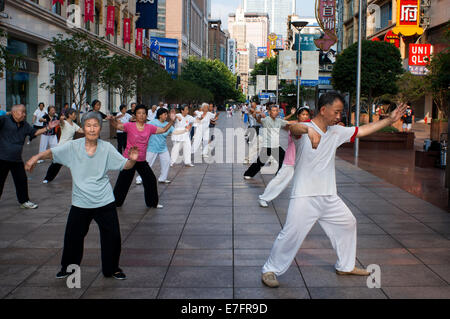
[419, 54]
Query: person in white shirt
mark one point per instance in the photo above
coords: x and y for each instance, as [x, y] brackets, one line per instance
[202, 131]
[38, 122]
[314, 194]
[151, 114]
[123, 118]
[68, 130]
[180, 136]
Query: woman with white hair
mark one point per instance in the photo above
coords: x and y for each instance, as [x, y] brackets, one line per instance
[202, 131]
[89, 159]
[180, 137]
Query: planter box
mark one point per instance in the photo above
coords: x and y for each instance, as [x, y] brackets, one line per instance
[386, 141]
[437, 128]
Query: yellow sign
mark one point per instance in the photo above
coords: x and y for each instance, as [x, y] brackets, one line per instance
[408, 18]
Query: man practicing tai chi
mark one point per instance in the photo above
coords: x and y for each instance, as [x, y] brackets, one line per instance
[314, 195]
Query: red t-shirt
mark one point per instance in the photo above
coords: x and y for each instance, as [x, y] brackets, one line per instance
[138, 138]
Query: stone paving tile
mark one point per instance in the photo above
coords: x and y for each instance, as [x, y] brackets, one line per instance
[250, 257]
[199, 277]
[137, 277]
[346, 293]
[45, 293]
[151, 241]
[325, 276]
[432, 240]
[120, 293]
[432, 256]
[409, 276]
[377, 241]
[419, 292]
[213, 218]
[203, 257]
[45, 277]
[270, 293]
[250, 277]
[254, 241]
[256, 229]
[25, 256]
[5, 290]
[145, 257]
[441, 228]
[14, 275]
[396, 256]
[195, 293]
[208, 229]
[405, 228]
[443, 271]
[146, 229]
[205, 242]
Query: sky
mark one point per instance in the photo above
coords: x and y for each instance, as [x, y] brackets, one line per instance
[221, 8]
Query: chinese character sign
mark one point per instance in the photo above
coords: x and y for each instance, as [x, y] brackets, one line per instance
[88, 10]
[408, 18]
[393, 38]
[110, 20]
[138, 40]
[326, 17]
[126, 30]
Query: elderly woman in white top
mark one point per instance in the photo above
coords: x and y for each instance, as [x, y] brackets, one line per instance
[180, 136]
[89, 159]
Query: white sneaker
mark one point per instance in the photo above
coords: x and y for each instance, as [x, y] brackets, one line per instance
[138, 180]
[205, 156]
[165, 182]
[171, 164]
[190, 165]
[159, 206]
[44, 181]
[29, 205]
[247, 177]
[40, 161]
[262, 203]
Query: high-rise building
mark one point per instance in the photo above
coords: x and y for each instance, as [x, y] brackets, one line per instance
[217, 40]
[278, 11]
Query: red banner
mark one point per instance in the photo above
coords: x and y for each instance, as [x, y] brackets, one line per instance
[60, 1]
[393, 38]
[88, 10]
[139, 40]
[126, 30]
[110, 20]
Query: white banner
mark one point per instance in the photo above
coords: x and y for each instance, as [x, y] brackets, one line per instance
[288, 65]
[261, 83]
[231, 59]
[310, 65]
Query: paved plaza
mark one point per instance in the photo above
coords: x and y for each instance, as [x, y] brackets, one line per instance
[211, 239]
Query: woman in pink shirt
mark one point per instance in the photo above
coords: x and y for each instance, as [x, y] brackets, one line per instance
[286, 172]
[138, 134]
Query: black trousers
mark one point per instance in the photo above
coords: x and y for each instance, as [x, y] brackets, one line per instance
[148, 181]
[77, 228]
[52, 171]
[19, 177]
[265, 153]
[121, 142]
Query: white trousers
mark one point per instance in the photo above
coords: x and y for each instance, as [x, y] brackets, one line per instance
[46, 141]
[164, 161]
[186, 146]
[334, 217]
[199, 136]
[278, 183]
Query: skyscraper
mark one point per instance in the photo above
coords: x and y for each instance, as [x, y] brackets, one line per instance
[278, 11]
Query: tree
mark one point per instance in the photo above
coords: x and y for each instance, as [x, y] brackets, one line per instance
[78, 60]
[7, 59]
[153, 80]
[260, 68]
[411, 87]
[121, 73]
[439, 77]
[380, 68]
[212, 75]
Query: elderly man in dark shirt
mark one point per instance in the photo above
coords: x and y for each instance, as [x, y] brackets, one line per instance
[13, 131]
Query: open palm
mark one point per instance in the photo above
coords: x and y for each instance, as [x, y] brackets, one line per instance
[398, 112]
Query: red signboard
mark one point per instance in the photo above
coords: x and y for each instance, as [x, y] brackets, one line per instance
[139, 40]
[408, 18]
[393, 38]
[419, 54]
[88, 10]
[110, 20]
[126, 30]
[326, 17]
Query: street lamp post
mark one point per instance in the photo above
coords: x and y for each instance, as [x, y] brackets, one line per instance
[358, 80]
[298, 25]
[278, 50]
[266, 63]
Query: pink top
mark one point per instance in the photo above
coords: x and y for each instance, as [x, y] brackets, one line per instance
[289, 157]
[138, 138]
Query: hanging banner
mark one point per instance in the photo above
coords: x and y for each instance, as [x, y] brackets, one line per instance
[60, 1]
[288, 65]
[89, 10]
[408, 18]
[126, 30]
[231, 60]
[393, 38]
[326, 17]
[310, 65]
[110, 20]
[138, 40]
[148, 14]
[271, 44]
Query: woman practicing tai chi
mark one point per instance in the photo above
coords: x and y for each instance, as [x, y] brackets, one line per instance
[68, 130]
[138, 134]
[314, 195]
[89, 159]
[286, 172]
[180, 136]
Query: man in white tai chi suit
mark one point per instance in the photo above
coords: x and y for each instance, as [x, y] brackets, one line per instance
[314, 195]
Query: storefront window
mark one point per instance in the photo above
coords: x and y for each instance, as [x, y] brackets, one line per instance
[56, 8]
[21, 88]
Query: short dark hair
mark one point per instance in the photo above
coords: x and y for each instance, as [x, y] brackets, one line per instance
[70, 111]
[328, 98]
[94, 102]
[272, 105]
[122, 106]
[141, 106]
[41, 103]
[160, 112]
[66, 104]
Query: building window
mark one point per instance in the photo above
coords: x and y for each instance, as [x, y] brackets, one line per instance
[386, 15]
[97, 21]
[116, 31]
[56, 8]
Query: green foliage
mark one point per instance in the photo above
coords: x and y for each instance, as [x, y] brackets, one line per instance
[389, 129]
[7, 59]
[380, 68]
[260, 68]
[411, 87]
[212, 75]
[288, 93]
[78, 60]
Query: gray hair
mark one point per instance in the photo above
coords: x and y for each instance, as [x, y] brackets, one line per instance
[205, 104]
[17, 107]
[91, 115]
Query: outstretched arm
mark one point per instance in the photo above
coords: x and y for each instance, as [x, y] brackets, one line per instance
[164, 129]
[116, 124]
[51, 125]
[31, 163]
[371, 128]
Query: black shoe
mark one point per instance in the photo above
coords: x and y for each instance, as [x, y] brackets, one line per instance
[119, 275]
[63, 274]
